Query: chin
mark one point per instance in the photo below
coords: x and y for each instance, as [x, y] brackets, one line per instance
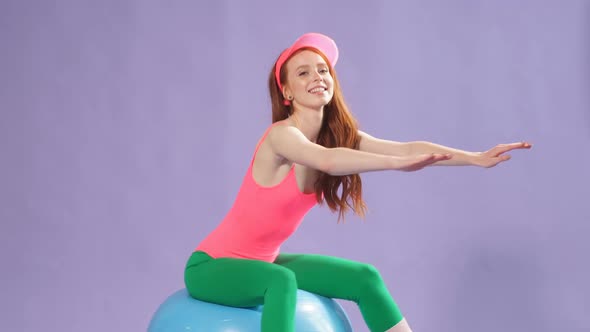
[320, 103]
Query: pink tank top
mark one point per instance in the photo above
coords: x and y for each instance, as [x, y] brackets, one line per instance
[261, 219]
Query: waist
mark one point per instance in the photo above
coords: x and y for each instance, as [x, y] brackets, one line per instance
[203, 252]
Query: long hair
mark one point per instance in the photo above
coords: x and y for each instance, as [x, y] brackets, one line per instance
[338, 129]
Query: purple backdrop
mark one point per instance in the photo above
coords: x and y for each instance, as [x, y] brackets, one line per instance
[127, 126]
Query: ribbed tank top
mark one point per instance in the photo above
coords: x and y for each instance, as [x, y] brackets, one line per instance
[261, 218]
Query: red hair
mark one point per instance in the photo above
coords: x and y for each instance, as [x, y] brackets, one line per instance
[339, 129]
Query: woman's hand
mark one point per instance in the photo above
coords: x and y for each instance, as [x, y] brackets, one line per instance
[416, 162]
[495, 155]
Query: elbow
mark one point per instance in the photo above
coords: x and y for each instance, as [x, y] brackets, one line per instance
[326, 167]
[326, 163]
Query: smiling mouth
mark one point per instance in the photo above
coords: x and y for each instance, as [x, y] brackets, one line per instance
[318, 90]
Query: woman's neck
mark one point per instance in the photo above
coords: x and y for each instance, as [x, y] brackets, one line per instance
[308, 121]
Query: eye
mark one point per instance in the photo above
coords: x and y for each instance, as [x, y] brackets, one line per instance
[324, 70]
[302, 73]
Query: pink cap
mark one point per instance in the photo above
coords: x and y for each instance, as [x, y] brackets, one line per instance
[318, 41]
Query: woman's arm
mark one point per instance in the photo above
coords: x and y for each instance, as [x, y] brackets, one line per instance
[488, 158]
[289, 143]
[460, 157]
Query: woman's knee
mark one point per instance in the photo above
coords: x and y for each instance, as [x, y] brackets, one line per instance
[283, 278]
[369, 276]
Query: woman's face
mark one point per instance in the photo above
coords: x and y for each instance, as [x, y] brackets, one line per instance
[308, 80]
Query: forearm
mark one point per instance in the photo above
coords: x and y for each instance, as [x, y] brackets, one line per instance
[344, 161]
[460, 157]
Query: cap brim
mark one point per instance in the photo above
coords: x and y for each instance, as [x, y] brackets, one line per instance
[318, 41]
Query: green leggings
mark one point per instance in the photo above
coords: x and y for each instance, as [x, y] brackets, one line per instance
[248, 283]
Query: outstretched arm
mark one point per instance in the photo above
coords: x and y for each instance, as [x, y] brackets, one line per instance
[489, 158]
[289, 143]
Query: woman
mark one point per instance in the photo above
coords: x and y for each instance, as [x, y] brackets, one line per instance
[312, 148]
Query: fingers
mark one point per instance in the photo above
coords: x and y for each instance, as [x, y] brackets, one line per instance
[439, 157]
[432, 158]
[520, 145]
[416, 162]
[419, 163]
[512, 146]
[502, 148]
[495, 161]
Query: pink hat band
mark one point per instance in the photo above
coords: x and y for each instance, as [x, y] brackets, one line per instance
[318, 41]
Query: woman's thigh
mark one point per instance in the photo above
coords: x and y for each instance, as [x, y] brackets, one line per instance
[330, 276]
[235, 282]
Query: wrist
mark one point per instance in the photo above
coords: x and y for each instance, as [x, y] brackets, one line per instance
[473, 158]
[392, 162]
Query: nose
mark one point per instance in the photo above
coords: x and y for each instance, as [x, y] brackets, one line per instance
[317, 76]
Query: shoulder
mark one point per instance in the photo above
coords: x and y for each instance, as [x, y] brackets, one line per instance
[364, 135]
[284, 130]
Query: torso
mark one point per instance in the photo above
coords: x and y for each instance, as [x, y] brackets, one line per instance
[270, 169]
[261, 220]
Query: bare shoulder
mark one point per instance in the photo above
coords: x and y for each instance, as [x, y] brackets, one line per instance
[266, 151]
[285, 131]
[364, 136]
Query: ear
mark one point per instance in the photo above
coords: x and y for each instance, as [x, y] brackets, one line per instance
[286, 91]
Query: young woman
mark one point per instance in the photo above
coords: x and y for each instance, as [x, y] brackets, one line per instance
[311, 150]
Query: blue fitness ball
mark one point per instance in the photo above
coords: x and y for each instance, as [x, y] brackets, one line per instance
[182, 313]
